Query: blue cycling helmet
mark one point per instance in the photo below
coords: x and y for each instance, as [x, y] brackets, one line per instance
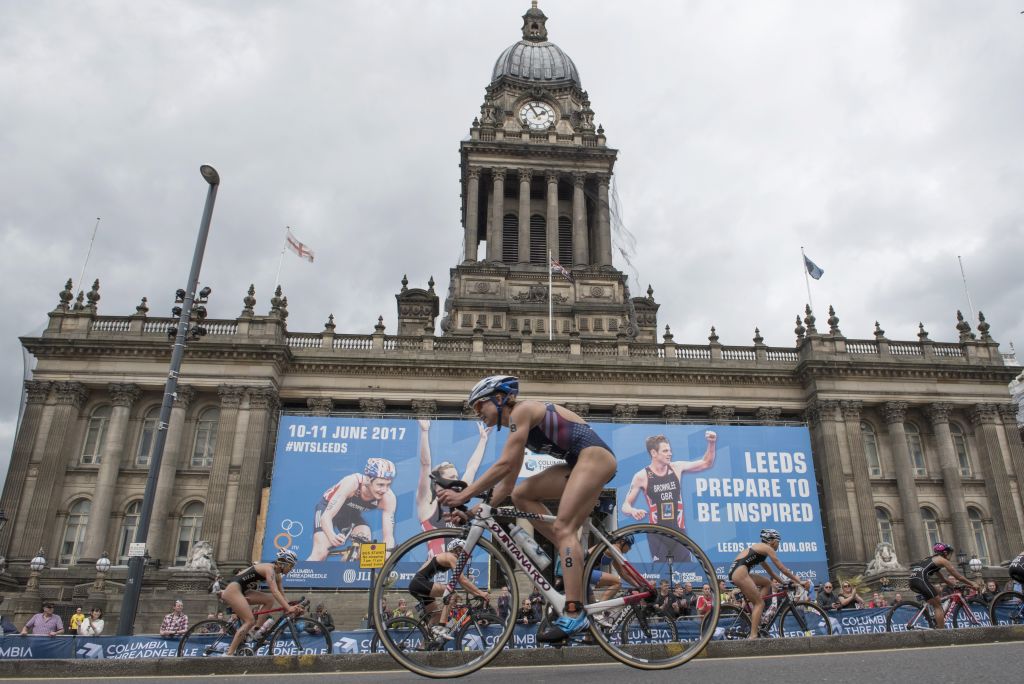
[490, 387]
[379, 467]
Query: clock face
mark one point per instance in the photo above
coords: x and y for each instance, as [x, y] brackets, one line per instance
[537, 115]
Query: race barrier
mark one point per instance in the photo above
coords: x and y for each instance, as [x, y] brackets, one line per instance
[865, 621]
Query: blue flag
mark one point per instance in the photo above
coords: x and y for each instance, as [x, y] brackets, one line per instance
[813, 269]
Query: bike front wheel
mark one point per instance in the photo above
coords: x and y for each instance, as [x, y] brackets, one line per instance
[206, 639]
[733, 623]
[300, 636]
[648, 639]
[908, 615]
[974, 615]
[802, 618]
[476, 642]
[1007, 608]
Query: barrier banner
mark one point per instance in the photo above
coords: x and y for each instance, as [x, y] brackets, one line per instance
[719, 484]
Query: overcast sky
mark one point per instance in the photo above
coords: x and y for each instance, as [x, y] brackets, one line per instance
[884, 137]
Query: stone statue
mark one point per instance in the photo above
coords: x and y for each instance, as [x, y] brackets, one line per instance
[885, 560]
[201, 557]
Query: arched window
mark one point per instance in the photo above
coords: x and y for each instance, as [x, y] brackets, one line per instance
[884, 526]
[74, 532]
[978, 529]
[128, 529]
[867, 434]
[510, 239]
[190, 528]
[148, 438]
[565, 241]
[916, 448]
[538, 239]
[95, 434]
[931, 526]
[963, 457]
[206, 438]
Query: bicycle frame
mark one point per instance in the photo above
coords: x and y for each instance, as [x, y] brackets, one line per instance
[948, 603]
[486, 521]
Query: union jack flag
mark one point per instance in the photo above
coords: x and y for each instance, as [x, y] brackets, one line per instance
[300, 249]
[561, 270]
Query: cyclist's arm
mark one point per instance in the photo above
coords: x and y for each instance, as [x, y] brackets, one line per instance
[274, 585]
[387, 514]
[348, 486]
[951, 569]
[477, 456]
[639, 483]
[423, 486]
[771, 573]
[703, 463]
[506, 469]
[782, 568]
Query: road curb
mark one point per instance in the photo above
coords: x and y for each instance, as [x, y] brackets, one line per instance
[543, 657]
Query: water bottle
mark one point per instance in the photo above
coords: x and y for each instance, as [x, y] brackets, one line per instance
[527, 544]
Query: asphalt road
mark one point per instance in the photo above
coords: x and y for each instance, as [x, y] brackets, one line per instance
[995, 663]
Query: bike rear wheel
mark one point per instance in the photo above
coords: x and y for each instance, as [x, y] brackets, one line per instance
[908, 615]
[652, 641]
[733, 623]
[1007, 608]
[206, 639]
[479, 641]
[300, 636]
[802, 618]
[408, 634]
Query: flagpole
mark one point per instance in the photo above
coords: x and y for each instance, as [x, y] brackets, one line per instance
[551, 333]
[968, 292]
[78, 283]
[807, 281]
[277, 278]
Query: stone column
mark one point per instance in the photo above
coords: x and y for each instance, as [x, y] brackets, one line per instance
[938, 414]
[69, 398]
[216, 490]
[604, 224]
[1008, 415]
[1007, 528]
[580, 246]
[494, 235]
[525, 176]
[262, 408]
[837, 509]
[122, 396]
[320, 406]
[913, 523]
[159, 524]
[24, 443]
[861, 478]
[472, 211]
[552, 213]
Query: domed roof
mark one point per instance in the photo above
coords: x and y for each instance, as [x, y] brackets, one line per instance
[534, 58]
[536, 61]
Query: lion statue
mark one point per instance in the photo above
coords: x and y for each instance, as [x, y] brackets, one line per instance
[201, 557]
[884, 561]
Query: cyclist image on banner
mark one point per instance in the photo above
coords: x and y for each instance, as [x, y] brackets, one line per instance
[338, 517]
[660, 484]
[755, 586]
[428, 510]
[922, 571]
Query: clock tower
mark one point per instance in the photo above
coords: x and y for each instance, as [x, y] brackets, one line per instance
[535, 187]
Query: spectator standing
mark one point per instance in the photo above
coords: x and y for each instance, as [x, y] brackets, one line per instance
[848, 598]
[324, 618]
[705, 600]
[76, 620]
[991, 589]
[689, 599]
[402, 610]
[827, 598]
[44, 623]
[218, 584]
[723, 592]
[6, 626]
[503, 604]
[92, 625]
[176, 622]
[525, 614]
[537, 601]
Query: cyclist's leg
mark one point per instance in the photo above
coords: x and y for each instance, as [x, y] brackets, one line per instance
[359, 531]
[607, 581]
[753, 587]
[938, 611]
[239, 604]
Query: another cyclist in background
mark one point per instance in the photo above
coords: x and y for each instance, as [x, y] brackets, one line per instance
[1017, 571]
[922, 571]
[544, 428]
[426, 591]
[755, 586]
[339, 514]
[242, 591]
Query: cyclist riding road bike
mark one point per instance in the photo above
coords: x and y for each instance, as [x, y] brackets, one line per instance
[242, 591]
[921, 572]
[755, 586]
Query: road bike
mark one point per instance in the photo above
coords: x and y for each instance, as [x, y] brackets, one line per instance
[348, 552]
[1007, 608]
[286, 635]
[643, 638]
[783, 617]
[917, 615]
[416, 633]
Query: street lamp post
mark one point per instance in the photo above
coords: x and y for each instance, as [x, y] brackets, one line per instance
[137, 562]
[975, 565]
[102, 566]
[961, 558]
[36, 565]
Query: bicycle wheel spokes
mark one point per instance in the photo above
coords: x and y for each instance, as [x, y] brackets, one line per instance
[733, 623]
[647, 638]
[469, 644]
[803, 619]
[206, 639]
[1007, 608]
[300, 636]
[974, 614]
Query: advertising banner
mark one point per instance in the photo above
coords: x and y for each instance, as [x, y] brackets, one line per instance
[720, 484]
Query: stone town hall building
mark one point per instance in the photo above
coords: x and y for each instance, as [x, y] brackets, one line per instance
[912, 439]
